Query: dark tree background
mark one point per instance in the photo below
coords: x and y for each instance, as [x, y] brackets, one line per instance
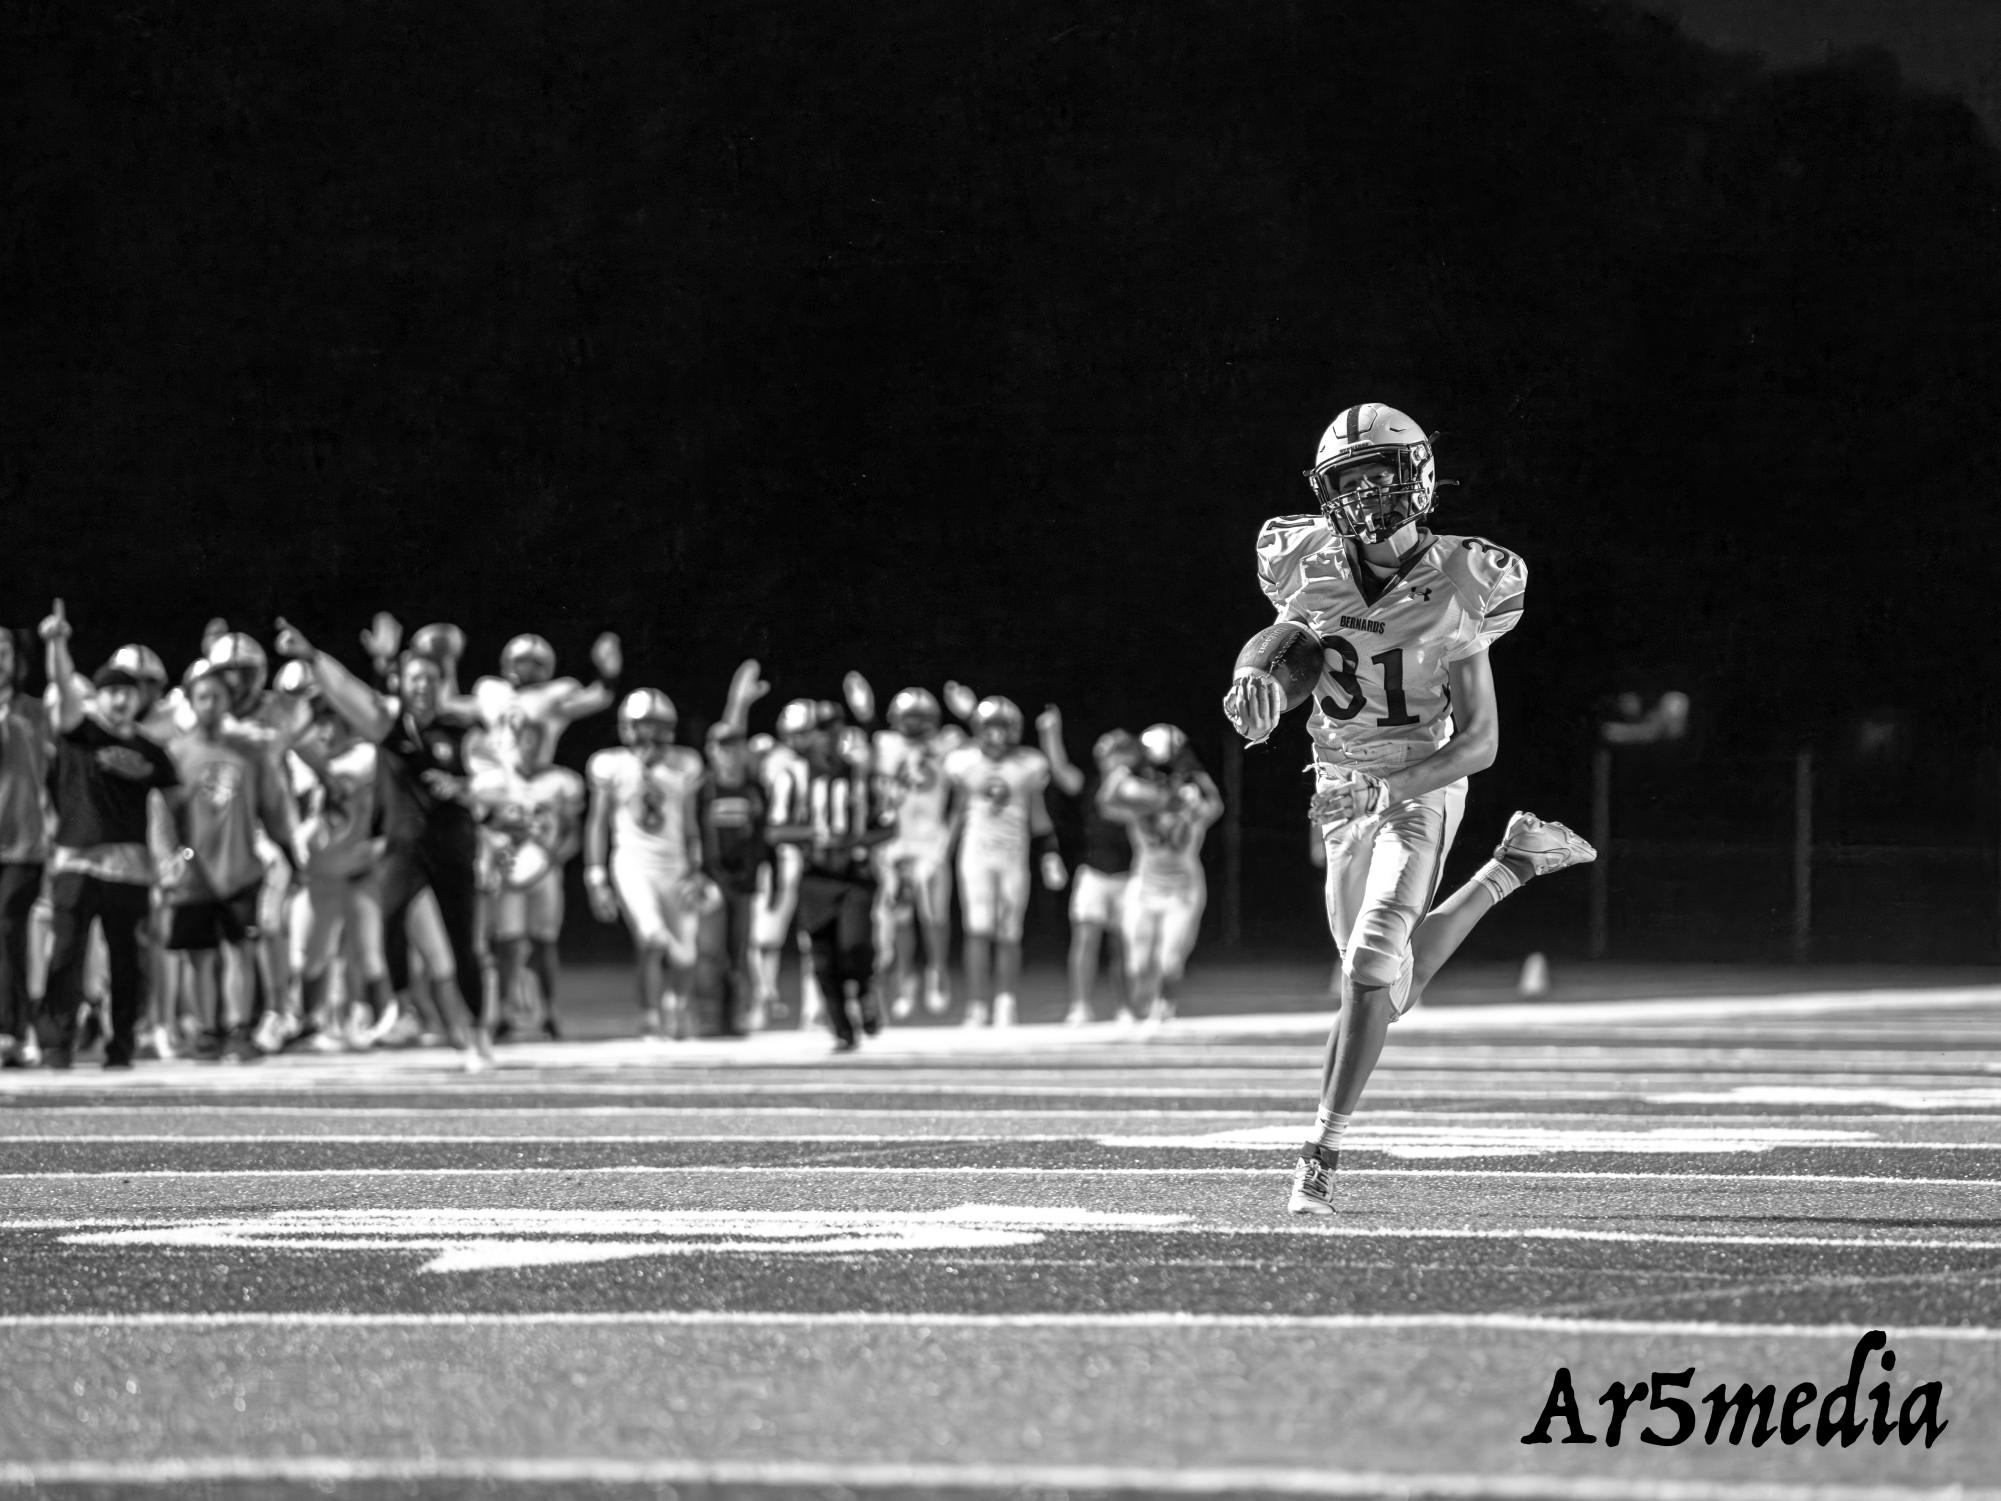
[976, 342]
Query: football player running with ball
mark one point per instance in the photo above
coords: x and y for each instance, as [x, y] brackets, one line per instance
[1386, 625]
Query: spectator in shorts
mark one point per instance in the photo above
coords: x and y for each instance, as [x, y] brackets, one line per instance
[24, 842]
[229, 794]
[101, 869]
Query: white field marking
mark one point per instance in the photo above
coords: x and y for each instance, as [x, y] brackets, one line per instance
[799, 1475]
[983, 1170]
[1167, 1320]
[1891, 1097]
[123, 1112]
[629, 1139]
[1455, 1140]
[469, 1240]
[1408, 1144]
[1288, 1086]
[370, 1223]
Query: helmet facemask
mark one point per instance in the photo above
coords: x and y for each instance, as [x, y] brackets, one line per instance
[1377, 512]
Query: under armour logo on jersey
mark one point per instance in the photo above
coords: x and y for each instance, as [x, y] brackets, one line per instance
[1420, 596]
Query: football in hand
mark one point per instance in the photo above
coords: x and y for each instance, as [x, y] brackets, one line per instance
[1291, 654]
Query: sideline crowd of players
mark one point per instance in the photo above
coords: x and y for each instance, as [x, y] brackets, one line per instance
[252, 862]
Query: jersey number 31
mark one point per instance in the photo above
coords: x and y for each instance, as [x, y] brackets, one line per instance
[1343, 665]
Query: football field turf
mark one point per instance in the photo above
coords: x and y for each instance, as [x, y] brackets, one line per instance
[1041, 1262]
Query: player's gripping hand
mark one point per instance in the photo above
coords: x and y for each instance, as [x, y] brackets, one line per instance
[1253, 704]
[292, 641]
[1054, 873]
[1358, 795]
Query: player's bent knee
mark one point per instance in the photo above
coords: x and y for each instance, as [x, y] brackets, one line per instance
[1372, 969]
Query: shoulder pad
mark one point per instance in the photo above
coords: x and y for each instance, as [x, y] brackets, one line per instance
[1491, 582]
[603, 765]
[1283, 543]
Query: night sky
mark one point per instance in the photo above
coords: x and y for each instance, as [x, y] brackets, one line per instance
[976, 342]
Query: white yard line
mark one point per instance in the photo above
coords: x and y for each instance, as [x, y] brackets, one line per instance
[945, 1478]
[1371, 1141]
[1330, 1229]
[991, 1171]
[1170, 1322]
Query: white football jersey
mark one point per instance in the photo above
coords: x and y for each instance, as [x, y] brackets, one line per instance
[503, 708]
[785, 776]
[649, 802]
[1384, 678]
[998, 794]
[1167, 842]
[548, 803]
[338, 812]
[911, 774]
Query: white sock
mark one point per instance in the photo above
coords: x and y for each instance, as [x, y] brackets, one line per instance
[1498, 879]
[1328, 1129]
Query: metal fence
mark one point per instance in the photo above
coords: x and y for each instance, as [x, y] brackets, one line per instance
[1812, 854]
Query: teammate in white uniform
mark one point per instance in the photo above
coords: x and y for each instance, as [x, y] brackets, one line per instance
[528, 691]
[1404, 712]
[333, 778]
[1000, 816]
[642, 846]
[533, 815]
[1169, 802]
[916, 865]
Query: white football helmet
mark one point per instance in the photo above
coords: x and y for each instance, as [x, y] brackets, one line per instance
[1373, 434]
[241, 656]
[647, 717]
[997, 716]
[800, 717]
[1164, 744]
[522, 650]
[915, 713]
[445, 644]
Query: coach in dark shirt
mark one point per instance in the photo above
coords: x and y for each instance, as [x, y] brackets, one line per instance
[101, 869]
